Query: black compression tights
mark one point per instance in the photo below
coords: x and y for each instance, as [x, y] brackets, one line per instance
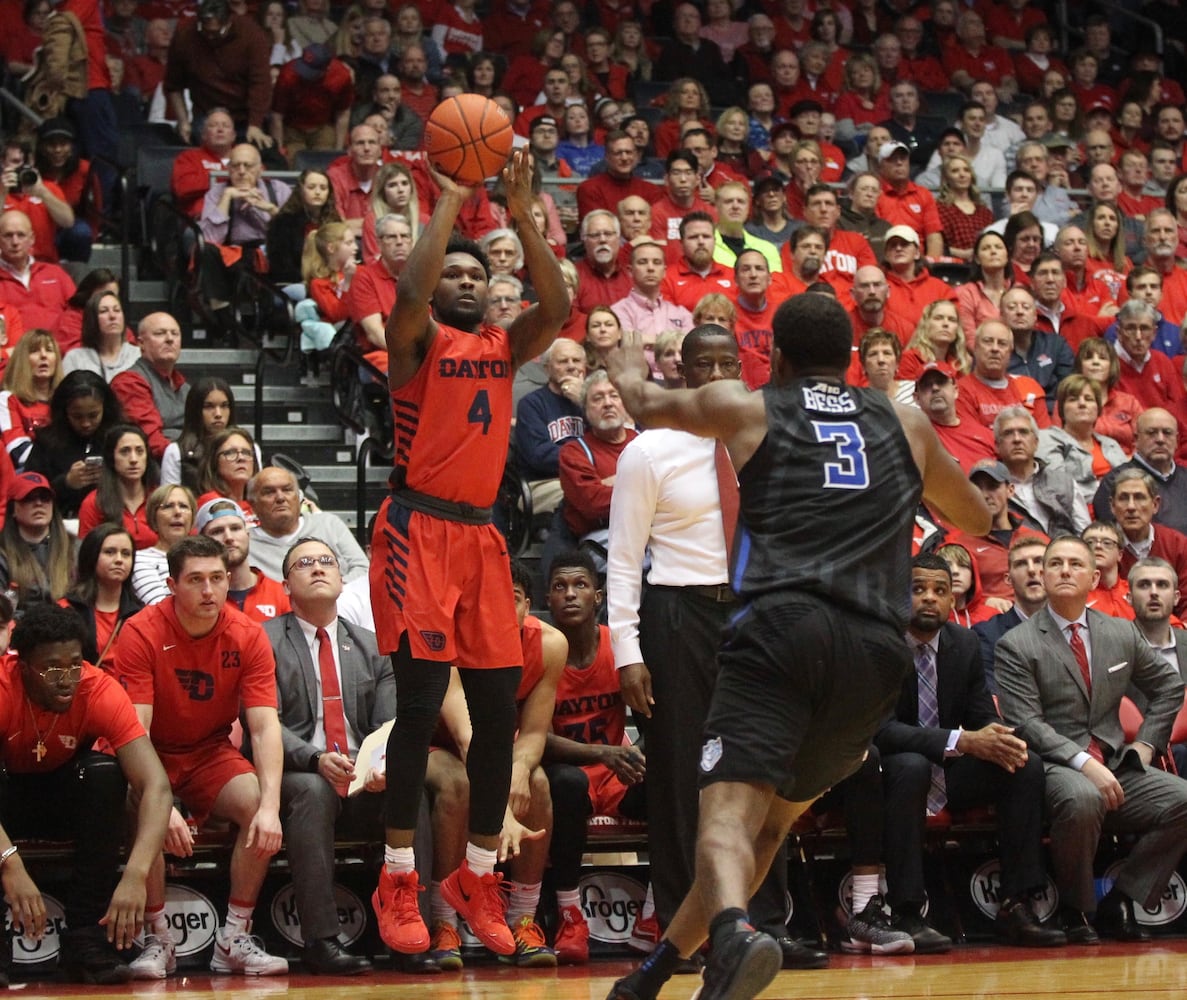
[420, 689]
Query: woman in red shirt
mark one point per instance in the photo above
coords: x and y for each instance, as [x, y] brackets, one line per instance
[130, 474]
[102, 596]
[230, 463]
[34, 371]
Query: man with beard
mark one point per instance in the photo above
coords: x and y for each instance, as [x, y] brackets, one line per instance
[806, 248]
[945, 745]
[440, 581]
[871, 306]
[695, 273]
[1154, 591]
[588, 463]
[968, 441]
[756, 316]
[256, 595]
[845, 252]
[601, 278]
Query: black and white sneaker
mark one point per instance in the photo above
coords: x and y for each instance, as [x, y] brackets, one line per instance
[869, 932]
[741, 966]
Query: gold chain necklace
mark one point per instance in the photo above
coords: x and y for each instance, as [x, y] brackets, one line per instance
[39, 751]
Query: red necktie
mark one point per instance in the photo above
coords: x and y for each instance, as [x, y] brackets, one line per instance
[1081, 654]
[331, 696]
[727, 488]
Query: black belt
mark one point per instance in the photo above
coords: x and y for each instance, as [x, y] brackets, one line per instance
[447, 510]
[718, 592]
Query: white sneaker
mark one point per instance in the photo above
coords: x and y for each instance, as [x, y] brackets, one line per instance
[157, 959]
[245, 955]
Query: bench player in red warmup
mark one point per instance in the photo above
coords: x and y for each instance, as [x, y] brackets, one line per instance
[440, 582]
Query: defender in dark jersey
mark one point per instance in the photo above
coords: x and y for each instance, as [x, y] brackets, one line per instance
[440, 582]
[830, 477]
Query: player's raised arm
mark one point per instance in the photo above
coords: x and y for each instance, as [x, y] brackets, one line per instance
[535, 328]
[945, 486]
[411, 327]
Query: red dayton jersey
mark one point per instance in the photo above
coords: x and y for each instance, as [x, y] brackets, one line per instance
[453, 419]
[100, 710]
[589, 705]
[195, 686]
[532, 637]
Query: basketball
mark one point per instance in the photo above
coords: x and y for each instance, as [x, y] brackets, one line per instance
[468, 138]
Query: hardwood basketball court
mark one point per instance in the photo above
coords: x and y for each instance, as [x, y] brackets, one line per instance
[1109, 972]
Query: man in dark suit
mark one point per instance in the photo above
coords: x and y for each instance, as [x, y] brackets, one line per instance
[323, 724]
[1153, 592]
[1061, 675]
[1026, 579]
[946, 746]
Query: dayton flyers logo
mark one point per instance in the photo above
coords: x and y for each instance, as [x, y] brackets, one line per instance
[434, 640]
[198, 684]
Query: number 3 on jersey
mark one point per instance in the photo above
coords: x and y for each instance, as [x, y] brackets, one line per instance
[480, 410]
[850, 471]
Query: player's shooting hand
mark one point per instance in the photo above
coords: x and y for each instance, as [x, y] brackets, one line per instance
[264, 834]
[627, 762]
[627, 361]
[28, 908]
[448, 184]
[635, 681]
[512, 836]
[179, 838]
[517, 182]
[125, 913]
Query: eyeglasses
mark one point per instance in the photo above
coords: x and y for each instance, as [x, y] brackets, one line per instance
[308, 562]
[236, 453]
[55, 675]
[1102, 543]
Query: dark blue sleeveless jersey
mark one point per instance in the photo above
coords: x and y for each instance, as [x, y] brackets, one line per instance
[828, 501]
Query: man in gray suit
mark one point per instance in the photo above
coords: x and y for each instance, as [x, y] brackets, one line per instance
[323, 724]
[1060, 676]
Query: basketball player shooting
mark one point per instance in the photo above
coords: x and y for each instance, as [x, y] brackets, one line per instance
[829, 479]
[440, 579]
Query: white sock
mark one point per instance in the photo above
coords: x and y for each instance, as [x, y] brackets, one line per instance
[525, 899]
[238, 919]
[441, 911]
[568, 897]
[399, 860]
[480, 860]
[155, 922]
[865, 888]
[648, 904]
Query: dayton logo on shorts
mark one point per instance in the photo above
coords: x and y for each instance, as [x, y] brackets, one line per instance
[710, 754]
[199, 685]
[434, 640]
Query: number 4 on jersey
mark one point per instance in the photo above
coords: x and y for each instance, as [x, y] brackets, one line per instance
[850, 471]
[480, 410]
